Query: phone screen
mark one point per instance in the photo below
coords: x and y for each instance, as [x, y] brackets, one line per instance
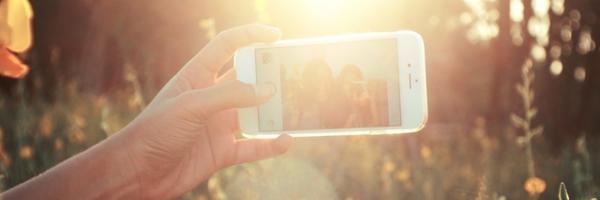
[330, 86]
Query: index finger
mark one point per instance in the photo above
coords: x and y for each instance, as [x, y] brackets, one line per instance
[219, 50]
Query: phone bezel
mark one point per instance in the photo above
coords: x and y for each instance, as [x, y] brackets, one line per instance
[413, 96]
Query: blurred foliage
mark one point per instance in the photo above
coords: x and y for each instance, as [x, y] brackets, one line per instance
[95, 64]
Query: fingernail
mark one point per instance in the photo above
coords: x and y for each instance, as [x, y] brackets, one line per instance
[274, 29]
[264, 89]
[276, 32]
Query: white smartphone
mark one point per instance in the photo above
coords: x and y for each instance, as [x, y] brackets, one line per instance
[369, 83]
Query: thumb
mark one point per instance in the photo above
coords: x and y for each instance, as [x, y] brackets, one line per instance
[203, 103]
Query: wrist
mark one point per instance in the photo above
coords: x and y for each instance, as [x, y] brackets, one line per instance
[134, 169]
[108, 167]
[103, 171]
[125, 174]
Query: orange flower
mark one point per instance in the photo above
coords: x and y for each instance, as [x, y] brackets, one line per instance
[403, 175]
[15, 27]
[15, 34]
[10, 65]
[59, 144]
[77, 136]
[535, 186]
[26, 152]
[427, 155]
[46, 125]
[389, 166]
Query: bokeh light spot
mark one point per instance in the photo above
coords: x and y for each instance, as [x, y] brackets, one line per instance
[579, 74]
[516, 34]
[516, 10]
[586, 43]
[555, 51]
[556, 67]
[538, 28]
[566, 33]
[558, 7]
[484, 26]
[538, 53]
[540, 7]
[466, 18]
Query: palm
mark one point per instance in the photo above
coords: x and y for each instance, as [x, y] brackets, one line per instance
[187, 132]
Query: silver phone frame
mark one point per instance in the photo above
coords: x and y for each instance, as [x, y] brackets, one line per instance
[413, 95]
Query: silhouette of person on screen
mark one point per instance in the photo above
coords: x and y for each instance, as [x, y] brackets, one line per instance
[313, 95]
[355, 98]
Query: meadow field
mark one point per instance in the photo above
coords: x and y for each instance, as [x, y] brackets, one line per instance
[514, 95]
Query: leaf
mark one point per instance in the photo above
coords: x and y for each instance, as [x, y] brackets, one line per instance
[521, 90]
[530, 77]
[531, 113]
[521, 140]
[517, 121]
[562, 192]
[537, 131]
[531, 96]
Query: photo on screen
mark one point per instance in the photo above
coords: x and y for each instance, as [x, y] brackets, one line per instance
[330, 86]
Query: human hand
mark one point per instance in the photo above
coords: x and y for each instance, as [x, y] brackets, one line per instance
[187, 132]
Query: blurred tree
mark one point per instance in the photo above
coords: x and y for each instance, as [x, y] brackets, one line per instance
[89, 60]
